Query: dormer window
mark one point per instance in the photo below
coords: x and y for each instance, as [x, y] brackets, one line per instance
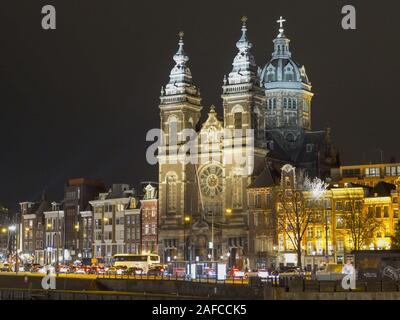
[270, 73]
[289, 74]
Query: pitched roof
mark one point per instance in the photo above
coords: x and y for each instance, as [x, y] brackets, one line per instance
[382, 189]
[267, 178]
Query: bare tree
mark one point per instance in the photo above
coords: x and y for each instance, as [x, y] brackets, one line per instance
[360, 225]
[296, 211]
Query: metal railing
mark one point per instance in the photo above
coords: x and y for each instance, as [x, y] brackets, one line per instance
[305, 285]
[175, 277]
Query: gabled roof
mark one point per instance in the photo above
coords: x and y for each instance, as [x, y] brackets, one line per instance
[296, 151]
[268, 177]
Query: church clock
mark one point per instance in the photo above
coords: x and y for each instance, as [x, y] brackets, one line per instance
[211, 181]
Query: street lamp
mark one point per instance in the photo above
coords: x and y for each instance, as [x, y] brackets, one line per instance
[13, 228]
[186, 220]
[313, 263]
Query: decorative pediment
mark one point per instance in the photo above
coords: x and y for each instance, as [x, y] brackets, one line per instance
[212, 120]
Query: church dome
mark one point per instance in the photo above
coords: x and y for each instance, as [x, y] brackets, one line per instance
[282, 71]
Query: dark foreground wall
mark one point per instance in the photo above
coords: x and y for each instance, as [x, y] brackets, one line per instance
[35, 282]
[167, 288]
[185, 288]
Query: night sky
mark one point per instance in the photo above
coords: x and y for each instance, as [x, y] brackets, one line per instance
[77, 101]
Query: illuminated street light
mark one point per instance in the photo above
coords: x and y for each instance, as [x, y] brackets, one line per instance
[12, 228]
[4, 230]
[228, 210]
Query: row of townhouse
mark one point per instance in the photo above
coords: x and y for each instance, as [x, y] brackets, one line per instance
[89, 223]
[330, 234]
[125, 223]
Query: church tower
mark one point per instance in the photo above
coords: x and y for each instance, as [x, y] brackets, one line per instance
[287, 91]
[180, 107]
[243, 102]
[289, 135]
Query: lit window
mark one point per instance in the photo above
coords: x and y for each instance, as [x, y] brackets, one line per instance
[378, 212]
[372, 172]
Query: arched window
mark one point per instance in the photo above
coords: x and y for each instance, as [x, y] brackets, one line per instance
[172, 193]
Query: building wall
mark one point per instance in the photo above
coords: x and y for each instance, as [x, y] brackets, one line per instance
[368, 175]
[268, 244]
[149, 225]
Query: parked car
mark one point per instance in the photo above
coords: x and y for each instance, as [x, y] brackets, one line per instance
[236, 273]
[263, 273]
[273, 274]
[64, 269]
[47, 269]
[116, 270]
[156, 271]
[5, 267]
[35, 268]
[133, 271]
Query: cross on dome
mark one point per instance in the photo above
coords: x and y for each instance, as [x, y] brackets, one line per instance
[281, 21]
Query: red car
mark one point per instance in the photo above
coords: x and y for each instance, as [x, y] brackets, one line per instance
[236, 273]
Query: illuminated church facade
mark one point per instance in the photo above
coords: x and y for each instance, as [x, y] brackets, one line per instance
[203, 209]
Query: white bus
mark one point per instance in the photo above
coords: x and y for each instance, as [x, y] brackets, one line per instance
[141, 261]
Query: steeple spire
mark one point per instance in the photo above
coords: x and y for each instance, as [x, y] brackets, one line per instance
[243, 42]
[180, 57]
[244, 65]
[180, 76]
